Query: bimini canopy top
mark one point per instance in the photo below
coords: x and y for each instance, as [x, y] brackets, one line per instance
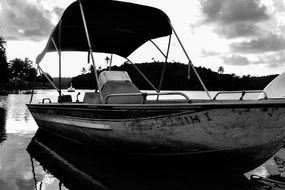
[113, 27]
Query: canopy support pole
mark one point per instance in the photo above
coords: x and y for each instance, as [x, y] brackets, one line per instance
[142, 75]
[111, 62]
[90, 50]
[164, 65]
[190, 62]
[59, 75]
[158, 48]
[41, 70]
[34, 82]
[59, 58]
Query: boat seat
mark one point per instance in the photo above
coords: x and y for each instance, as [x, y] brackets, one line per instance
[121, 87]
[92, 98]
[115, 82]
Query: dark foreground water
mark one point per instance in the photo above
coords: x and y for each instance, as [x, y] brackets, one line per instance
[32, 159]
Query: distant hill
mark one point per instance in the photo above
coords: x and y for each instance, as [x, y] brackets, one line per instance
[65, 82]
[176, 78]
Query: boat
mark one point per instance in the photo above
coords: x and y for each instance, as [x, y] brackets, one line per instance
[239, 134]
[276, 88]
[71, 89]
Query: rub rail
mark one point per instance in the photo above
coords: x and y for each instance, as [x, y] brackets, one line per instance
[144, 95]
[242, 92]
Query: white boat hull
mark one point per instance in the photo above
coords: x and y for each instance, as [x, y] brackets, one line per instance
[232, 129]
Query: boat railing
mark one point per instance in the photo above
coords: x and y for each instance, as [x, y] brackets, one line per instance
[242, 92]
[145, 94]
[44, 99]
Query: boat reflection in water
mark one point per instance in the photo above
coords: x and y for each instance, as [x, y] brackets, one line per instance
[78, 167]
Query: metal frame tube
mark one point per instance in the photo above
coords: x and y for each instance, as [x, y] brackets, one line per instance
[59, 72]
[59, 58]
[188, 71]
[148, 94]
[158, 48]
[34, 82]
[90, 49]
[142, 75]
[41, 70]
[164, 65]
[190, 62]
[111, 62]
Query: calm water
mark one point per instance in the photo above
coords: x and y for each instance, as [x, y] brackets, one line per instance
[32, 159]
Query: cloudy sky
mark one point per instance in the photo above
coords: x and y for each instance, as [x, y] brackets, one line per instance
[243, 36]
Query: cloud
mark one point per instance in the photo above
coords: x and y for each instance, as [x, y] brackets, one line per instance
[268, 43]
[279, 5]
[234, 18]
[275, 59]
[271, 59]
[235, 60]
[257, 26]
[26, 20]
[237, 30]
[230, 11]
[206, 53]
[58, 11]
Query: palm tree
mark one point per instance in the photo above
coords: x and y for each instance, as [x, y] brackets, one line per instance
[83, 70]
[221, 70]
[107, 59]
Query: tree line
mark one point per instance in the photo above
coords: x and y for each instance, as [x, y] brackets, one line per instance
[176, 78]
[20, 74]
[16, 74]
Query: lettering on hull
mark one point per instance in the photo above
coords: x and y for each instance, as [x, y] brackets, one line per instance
[170, 121]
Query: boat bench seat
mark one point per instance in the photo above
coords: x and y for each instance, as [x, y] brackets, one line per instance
[115, 82]
[115, 87]
[91, 98]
